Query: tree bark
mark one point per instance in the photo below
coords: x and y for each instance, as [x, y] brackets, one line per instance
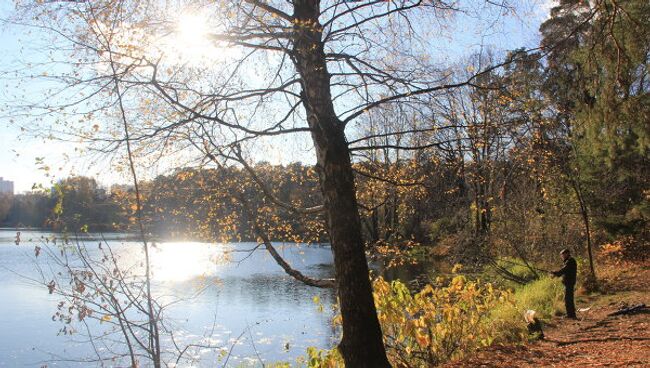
[361, 345]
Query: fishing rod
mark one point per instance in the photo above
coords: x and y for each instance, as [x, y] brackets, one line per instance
[518, 264]
[527, 265]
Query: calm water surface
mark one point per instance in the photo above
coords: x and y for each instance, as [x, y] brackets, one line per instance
[223, 295]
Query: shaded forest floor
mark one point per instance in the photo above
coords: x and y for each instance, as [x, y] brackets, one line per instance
[595, 340]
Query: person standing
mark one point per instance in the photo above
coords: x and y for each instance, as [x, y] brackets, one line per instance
[569, 274]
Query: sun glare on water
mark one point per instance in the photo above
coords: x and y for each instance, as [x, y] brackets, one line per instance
[184, 261]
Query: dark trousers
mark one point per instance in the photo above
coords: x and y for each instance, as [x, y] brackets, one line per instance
[568, 301]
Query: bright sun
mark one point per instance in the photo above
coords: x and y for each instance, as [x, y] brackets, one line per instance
[192, 30]
[190, 41]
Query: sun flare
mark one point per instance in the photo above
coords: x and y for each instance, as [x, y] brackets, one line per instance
[185, 260]
[191, 41]
[192, 30]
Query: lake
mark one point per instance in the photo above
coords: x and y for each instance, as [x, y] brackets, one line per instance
[223, 294]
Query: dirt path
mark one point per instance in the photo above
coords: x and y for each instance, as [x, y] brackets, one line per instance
[596, 340]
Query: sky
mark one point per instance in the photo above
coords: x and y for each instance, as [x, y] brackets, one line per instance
[23, 156]
[19, 150]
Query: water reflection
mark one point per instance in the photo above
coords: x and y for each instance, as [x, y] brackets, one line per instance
[184, 261]
[222, 292]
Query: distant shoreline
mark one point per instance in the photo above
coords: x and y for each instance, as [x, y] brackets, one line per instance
[134, 236]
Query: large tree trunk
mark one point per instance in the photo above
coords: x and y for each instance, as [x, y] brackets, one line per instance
[361, 344]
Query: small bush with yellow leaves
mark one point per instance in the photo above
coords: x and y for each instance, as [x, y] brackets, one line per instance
[446, 320]
[438, 323]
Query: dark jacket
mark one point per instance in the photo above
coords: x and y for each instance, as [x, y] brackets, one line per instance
[568, 272]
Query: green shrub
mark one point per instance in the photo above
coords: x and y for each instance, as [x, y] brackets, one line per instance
[508, 323]
[438, 228]
[541, 296]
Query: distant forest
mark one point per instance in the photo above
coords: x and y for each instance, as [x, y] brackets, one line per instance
[175, 205]
[518, 201]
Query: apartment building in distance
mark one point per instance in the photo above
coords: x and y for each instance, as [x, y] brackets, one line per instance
[6, 186]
